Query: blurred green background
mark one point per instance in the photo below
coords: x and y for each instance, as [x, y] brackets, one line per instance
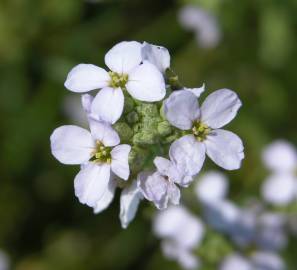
[42, 224]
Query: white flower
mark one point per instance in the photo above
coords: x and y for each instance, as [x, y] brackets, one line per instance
[141, 79]
[204, 133]
[160, 187]
[212, 187]
[222, 216]
[279, 189]
[99, 153]
[236, 262]
[181, 232]
[203, 23]
[271, 231]
[4, 261]
[156, 55]
[267, 261]
[280, 156]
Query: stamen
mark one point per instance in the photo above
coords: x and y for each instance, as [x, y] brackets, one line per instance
[200, 131]
[117, 80]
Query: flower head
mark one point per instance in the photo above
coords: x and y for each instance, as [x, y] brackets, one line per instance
[128, 72]
[203, 127]
[98, 151]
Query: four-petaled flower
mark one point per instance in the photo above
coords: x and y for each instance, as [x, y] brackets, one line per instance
[202, 126]
[142, 80]
[99, 154]
[160, 187]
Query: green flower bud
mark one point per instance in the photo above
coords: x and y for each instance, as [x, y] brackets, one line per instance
[144, 138]
[164, 128]
[129, 105]
[124, 131]
[132, 117]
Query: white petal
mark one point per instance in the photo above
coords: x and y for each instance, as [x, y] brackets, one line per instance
[154, 188]
[119, 163]
[196, 91]
[181, 109]
[280, 156]
[86, 101]
[146, 83]
[219, 108]
[188, 154]
[212, 187]
[91, 183]
[108, 104]
[124, 56]
[71, 144]
[103, 132]
[86, 77]
[225, 149]
[129, 201]
[156, 55]
[107, 197]
[279, 189]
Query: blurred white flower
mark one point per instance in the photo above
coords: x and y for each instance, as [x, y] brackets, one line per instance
[280, 188]
[180, 232]
[236, 262]
[141, 79]
[271, 231]
[204, 133]
[280, 156]
[98, 151]
[267, 261]
[4, 261]
[212, 187]
[222, 215]
[156, 55]
[203, 23]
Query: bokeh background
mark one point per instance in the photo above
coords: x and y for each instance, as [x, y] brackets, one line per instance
[42, 224]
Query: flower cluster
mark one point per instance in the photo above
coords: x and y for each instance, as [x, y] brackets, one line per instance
[140, 113]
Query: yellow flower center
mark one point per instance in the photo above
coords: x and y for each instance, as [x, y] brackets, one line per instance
[200, 131]
[117, 80]
[101, 153]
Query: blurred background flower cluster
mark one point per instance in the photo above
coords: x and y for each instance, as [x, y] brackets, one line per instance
[247, 46]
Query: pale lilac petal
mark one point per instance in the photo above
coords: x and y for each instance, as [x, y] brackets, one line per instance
[156, 55]
[130, 198]
[169, 169]
[86, 77]
[188, 154]
[91, 183]
[103, 132]
[181, 109]
[196, 91]
[108, 104]
[219, 108]
[107, 197]
[124, 56]
[225, 149]
[154, 188]
[119, 163]
[173, 193]
[280, 156]
[146, 83]
[72, 144]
